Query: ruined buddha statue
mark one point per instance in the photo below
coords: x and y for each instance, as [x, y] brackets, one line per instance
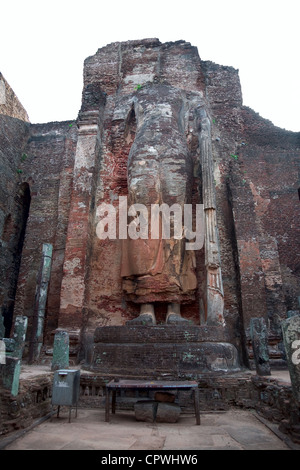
[160, 172]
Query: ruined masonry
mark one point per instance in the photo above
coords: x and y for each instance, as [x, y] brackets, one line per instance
[157, 125]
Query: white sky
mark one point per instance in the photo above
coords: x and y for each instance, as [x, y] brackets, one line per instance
[43, 45]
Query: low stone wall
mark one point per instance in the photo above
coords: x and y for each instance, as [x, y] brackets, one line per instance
[32, 402]
[276, 403]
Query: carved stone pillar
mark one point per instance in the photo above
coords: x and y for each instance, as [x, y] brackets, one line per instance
[37, 334]
[214, 285]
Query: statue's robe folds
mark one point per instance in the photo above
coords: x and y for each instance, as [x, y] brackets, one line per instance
[160, 171]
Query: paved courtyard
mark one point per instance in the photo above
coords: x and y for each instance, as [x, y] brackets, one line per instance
[231, 430]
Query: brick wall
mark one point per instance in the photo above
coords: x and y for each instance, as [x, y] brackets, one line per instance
[69, 172]
[13, 209]
[48, 169]
[9, 102]
[263, 186]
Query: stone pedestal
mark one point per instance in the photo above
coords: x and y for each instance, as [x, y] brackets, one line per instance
[259, 338]
[165, 351]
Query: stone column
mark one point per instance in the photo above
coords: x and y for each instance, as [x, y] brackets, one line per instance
[10, 371]
[60, 359]
[40, 303]
[291, 340]
[2, 342]
[259, 338]
[214, 289]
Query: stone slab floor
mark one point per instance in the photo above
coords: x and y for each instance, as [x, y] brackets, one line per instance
[231, 430]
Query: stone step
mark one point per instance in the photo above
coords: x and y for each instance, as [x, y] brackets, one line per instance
[159, 334]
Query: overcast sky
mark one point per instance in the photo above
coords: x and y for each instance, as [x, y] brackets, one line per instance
[43, 45]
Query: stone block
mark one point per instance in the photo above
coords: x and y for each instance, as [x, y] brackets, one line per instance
[10, 374]
[167, 413]
[165, 397]
[292, 313]
[145, 410]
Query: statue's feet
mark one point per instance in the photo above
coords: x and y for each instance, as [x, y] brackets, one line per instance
[174, 316]
[146, 316]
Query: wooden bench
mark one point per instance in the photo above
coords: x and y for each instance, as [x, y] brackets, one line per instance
[124, 384]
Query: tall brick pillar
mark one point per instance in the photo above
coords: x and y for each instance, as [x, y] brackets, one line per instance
[247, 233]
[86, 168]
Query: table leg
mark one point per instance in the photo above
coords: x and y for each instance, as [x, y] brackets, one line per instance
[113, 402]
[197, 406]
[107, 405]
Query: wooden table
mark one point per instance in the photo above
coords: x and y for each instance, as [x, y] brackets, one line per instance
[124, 384]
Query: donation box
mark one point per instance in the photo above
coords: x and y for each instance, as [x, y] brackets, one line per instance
[66, 387]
